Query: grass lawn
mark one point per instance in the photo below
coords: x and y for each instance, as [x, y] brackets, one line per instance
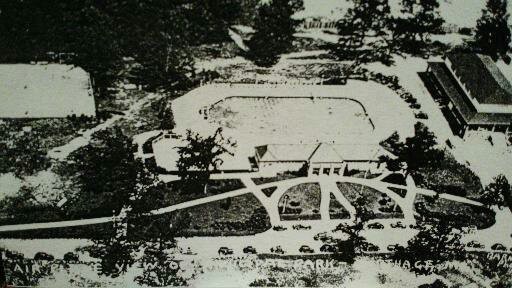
[450, 177]
[278, 177]
[395, 178]
[76, 232]
[376, 201]
[301, 202]
[269, 191]
[460, 214]
[401, 192]
[336, 209]
[176, 192]
[241, 215]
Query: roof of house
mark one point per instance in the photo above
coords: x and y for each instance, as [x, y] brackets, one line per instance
[44, 91]
[320, 152]
[482, 78]
[464, 106]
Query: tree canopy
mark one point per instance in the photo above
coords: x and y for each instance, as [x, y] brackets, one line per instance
[492, 32]
[202, 155]
[274, 31]
[415, 152]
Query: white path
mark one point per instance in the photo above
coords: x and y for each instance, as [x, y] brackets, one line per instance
[327, 185]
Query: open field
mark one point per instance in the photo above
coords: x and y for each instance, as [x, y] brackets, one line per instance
[292, 118]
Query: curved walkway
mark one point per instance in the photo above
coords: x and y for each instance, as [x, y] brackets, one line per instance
[327, 186]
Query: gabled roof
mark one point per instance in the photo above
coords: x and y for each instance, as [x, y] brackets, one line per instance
[482, 78]
[286, 152]
[464, 106]
[325, 153]
[320, 153]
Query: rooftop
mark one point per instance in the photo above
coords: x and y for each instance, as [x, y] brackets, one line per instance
[482, 78]
[44, 91]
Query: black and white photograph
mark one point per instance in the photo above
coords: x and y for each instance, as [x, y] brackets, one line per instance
[256, 143]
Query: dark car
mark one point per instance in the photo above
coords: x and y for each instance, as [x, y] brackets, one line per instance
[398, 225]
[329, 248]
[393, 247]
[369, 247]
[249, 250]
[323, 237]
[71, 257]
[225, 251]
[43, 256]
[375, 225]
[306, 249]
[498, 247]
[475, 244]
[277, 250]
[279, 228]
[301, 227]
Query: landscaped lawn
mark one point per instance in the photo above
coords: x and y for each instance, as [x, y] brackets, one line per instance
[176, 192]
[376, 201]
[460, 214]
[278, 177]
[301, 202]
[336, 209]
[449, 177]
[241, 215]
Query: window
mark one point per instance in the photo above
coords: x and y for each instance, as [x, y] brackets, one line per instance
[336, 171]
[327, 171]
[316, 171]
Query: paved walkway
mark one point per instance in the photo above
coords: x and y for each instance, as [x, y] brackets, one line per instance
[327, 186]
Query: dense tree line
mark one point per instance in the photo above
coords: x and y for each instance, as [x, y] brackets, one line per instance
[99, 35]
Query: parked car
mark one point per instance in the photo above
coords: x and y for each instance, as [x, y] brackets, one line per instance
[188, 252]
[322, 236]
[249, 250]
[301, 227]
[329, 248]
[279, 228]
[369, 247]
[43, 256]
[398, 224]
[306, 249]
[375, 225]
[421, 115]
[414, 226]
[475, 244]
[278, 250]
[225, 251]
[393, 247]
[498, 247]
[71, 257]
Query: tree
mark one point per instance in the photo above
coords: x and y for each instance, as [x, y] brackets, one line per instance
[106, 174]
[352, 246]
[202, 155]
[114, 250]
[437, 241]
[420, 19]
[492, 33]
[274, 31]
[496, 192]
[415, 152]
[364, 33]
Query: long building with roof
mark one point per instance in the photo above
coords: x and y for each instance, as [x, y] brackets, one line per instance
[320, 158]
[473, 91]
